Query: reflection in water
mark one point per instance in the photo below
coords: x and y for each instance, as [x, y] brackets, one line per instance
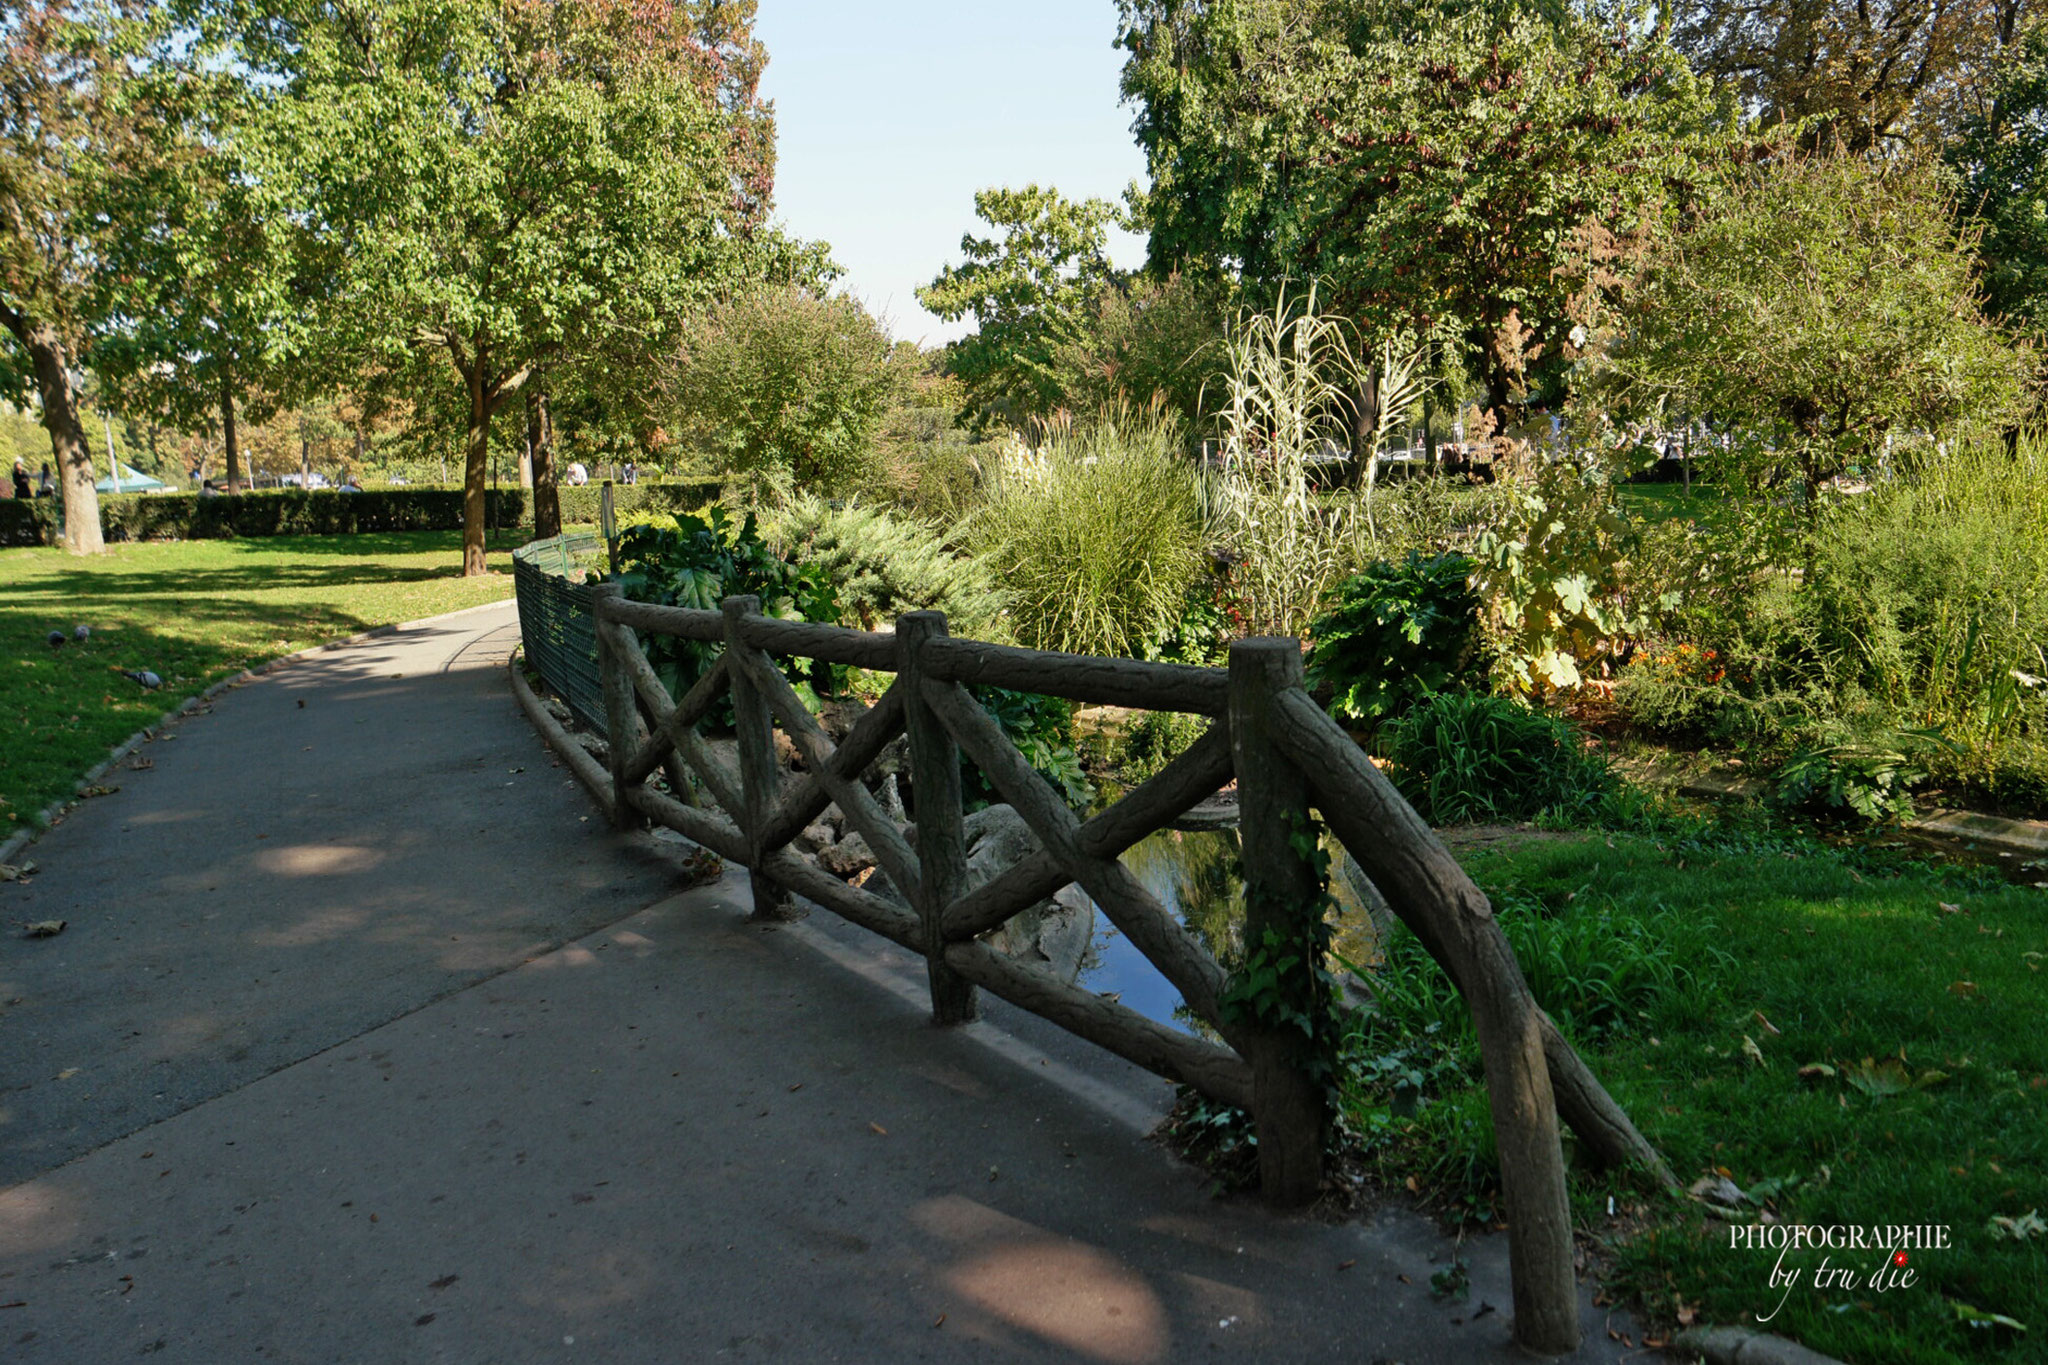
[1196, 876]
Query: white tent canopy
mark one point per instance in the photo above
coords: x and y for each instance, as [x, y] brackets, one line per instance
[132, 481]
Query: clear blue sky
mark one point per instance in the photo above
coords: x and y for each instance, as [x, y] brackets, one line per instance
[890, 116]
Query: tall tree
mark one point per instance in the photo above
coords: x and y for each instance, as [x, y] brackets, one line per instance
[1434, 162]
[1869, 74]
[2002, 156]
[200, 291]
[1817, 305]
[1024, 289]
[68, 123]
[501, 181]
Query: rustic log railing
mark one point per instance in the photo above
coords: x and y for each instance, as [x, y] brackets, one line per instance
[1286, 755]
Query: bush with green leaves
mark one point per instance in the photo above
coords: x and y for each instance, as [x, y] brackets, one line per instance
[1919, 605]
[783, 390]
[1857, 783]
[1553, 578]
[881, 565]
[1096, 532]
[1460, 757]
[698, 562]
[1397, 633]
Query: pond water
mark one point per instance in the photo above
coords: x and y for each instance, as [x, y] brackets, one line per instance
[1195, 875]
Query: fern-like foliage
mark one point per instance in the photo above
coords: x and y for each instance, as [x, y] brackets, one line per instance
[880, 566]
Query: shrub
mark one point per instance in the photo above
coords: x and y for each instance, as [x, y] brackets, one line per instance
[1678, 689]
[1930, 593]
[698, 562]
[293, 512]
[880, 566]
[1459, 757]
[783, 389]
[1397, 633]
[1552, 577]
[1096, 533]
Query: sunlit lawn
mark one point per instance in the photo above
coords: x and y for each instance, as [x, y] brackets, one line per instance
[1849, 1043]
[193, 612]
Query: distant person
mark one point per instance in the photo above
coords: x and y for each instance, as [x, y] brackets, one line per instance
[46, 487]
[578, 475]
[207, 490]
[631, 474]
[349, 485]
[21, 484]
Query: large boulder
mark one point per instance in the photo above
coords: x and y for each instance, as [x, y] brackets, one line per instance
[1055, 933]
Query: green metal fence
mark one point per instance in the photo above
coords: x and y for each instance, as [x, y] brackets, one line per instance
[556, 623]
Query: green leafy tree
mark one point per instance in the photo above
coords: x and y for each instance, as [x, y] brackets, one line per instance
[1147, 341]
[501, 183]
[1814, 307]
[1436, 163]
[69, 124]
[2002, 156]
[1025, 290]
[1868, 74]
[198, 297]
[783, 388]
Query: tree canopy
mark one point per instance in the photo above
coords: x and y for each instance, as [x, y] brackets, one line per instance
[1869, 74]
[1817, 305]
[1024, 290]
[1435, 163]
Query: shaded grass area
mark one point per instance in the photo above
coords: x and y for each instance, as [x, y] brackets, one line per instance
[1706, 979]
[193, 612]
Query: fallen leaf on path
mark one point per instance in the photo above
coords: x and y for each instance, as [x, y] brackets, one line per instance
[43, 928]
[879, 1130]
[939, 1321]
[1346, 1265]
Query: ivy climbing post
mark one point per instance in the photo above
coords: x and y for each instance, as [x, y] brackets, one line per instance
[1279, 1002]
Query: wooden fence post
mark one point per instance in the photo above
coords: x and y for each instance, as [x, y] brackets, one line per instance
[941, 841]
[760, 776]
[1289, 1107]
[620, 715]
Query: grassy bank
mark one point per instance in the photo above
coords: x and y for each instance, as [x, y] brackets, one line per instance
[193, 612]
[1846, 1041]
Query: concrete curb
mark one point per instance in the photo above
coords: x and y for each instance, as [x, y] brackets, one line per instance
[1961, 830]
[1740, 1346]
[27, 834]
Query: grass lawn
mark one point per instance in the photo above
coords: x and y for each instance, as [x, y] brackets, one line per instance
[194, 612]
[1848, 1041]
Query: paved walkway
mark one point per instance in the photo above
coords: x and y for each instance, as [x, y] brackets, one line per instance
[368, 1042]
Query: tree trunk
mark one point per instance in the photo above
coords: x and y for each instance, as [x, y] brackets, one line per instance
[540, 439]
[473, 468]
[231, 443]
[67, 438]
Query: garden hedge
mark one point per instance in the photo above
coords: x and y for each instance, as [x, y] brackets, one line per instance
[327, 512]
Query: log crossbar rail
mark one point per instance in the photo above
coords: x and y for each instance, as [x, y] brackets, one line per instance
[1286, 755]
